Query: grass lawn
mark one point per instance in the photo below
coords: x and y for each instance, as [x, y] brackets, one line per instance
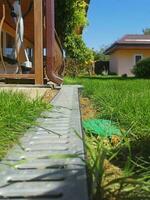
[126, 102]
[17, 114]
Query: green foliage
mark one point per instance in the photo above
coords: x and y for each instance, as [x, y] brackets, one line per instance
[76, 48]
[125, 101]
[17, 114]
[70, 21]
[70, 17]
[96, 152]
[146, 31]
[80, 57]
[109, 181]
[142, 68]
[100, 56]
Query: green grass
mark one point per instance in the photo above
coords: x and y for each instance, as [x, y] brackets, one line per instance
[126, 102]
[109, 182]
[17, 114]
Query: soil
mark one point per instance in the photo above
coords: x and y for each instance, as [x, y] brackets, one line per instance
[87, 109]
[49, 95]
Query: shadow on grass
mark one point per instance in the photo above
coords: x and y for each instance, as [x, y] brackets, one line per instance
[111, 78]
[139, 153]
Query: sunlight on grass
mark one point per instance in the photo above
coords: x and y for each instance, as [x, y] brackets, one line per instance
[120, 171]
[17, 114]
[108, 181]
[123, 101]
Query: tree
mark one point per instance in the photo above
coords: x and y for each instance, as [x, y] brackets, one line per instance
[81, 56]
[100, 56]
[146, 31]
[71, 18]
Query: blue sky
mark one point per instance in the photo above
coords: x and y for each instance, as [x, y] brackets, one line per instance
[111, 19]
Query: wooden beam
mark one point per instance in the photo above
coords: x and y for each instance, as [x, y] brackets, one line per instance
[18, 76]
[38, 41]
[8, 29]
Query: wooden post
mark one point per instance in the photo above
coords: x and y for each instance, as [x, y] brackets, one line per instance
[38, 41]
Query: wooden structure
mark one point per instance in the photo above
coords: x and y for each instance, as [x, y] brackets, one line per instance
[40, 38]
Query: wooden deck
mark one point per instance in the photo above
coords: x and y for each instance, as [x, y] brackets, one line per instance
[48, 163]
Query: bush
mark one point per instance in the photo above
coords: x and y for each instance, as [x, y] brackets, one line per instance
[124, 75]
[112, 73]
[142, 69]
[101, 66]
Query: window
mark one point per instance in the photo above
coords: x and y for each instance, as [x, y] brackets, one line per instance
[8, 44]
[137, 58]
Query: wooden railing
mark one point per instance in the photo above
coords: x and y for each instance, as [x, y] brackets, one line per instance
[54, 58]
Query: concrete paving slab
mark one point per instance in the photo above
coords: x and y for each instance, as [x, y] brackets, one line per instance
[30, 92]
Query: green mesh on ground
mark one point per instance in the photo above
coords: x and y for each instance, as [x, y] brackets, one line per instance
[101, 127]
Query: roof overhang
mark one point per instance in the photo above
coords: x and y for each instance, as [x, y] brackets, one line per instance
[118, 46]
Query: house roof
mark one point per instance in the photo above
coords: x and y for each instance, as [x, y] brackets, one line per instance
[130, 41]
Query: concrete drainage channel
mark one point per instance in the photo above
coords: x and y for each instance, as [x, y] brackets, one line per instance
[48, 163]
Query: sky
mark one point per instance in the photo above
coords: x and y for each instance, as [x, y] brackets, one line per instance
[109, 20]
